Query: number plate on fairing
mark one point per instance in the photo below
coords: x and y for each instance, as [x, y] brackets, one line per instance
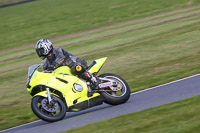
[103, 85]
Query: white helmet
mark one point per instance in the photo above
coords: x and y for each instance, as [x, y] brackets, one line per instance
[43, 47]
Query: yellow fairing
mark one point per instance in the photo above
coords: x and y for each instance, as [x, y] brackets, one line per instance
[68, 90]
[63, 70]
[65, 84]
[39, 78]
[98, 65]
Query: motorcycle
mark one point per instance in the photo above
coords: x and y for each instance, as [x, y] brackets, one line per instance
[57, 92]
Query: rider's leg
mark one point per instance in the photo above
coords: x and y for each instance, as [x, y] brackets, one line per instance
[80, 70]
[91, 78]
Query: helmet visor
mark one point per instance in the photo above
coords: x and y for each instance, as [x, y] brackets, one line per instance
[40, 52]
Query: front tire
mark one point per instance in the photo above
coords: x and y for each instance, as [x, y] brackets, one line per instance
[119, 97]
[47, 112]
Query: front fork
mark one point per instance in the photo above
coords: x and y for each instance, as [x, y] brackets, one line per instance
[49, 96]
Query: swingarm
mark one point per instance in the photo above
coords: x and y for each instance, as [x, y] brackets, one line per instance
[108, 83]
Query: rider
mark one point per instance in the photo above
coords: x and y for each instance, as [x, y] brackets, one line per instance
[57, 57]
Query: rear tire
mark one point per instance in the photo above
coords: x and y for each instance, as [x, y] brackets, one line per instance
[112, 97]
[42, 112]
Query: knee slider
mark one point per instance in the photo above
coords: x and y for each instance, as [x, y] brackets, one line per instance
[79, 69]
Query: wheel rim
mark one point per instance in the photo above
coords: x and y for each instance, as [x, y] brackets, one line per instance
[121, 87]
[49, 107]
[50, 110]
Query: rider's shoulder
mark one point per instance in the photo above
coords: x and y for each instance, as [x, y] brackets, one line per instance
[57, 49]
[60, 50]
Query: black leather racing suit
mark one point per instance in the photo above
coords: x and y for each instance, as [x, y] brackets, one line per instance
[60, 57]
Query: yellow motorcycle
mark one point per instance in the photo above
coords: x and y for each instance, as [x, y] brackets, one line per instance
[60, 91]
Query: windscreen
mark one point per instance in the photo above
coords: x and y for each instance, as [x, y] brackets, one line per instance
[32, 69]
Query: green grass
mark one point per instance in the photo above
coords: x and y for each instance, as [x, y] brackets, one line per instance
[26, 23]
[145, 43]
[179, 117]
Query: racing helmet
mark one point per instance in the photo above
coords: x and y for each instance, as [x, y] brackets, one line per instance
[43, 47]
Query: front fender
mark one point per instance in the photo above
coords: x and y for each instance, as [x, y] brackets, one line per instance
[44, 94]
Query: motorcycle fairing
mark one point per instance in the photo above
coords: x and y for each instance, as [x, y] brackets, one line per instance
[64, 70]
[86, 104]
[67, 88]
[39, 78]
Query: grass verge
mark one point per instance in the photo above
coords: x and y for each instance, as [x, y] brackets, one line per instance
[26, 23]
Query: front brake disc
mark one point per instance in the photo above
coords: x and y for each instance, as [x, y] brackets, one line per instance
[49, 107]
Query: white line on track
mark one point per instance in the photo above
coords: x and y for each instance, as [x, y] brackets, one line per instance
[131, 94]
[166, 84]
[19, 126]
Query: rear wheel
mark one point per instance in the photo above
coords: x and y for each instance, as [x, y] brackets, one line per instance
[52, 112]
[121, 93]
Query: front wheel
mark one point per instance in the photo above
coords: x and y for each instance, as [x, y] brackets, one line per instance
[46, 111]
[116, 97]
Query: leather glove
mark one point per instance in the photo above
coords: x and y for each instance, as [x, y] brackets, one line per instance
[51, 67]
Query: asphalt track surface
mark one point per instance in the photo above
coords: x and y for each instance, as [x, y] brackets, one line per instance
[149, 98]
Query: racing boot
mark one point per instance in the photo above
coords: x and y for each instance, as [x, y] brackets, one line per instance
[94, 81]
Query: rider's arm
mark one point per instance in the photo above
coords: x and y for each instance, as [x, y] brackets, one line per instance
[60, 57]
[48, 67]
[45, 66]
[67, 59]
